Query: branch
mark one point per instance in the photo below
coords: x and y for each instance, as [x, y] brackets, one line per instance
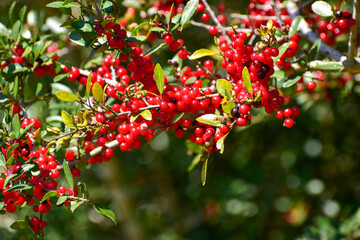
[206, 26]
[218, 24]
[353, 34]
[255, 17]
[304, 28]
[278, 14]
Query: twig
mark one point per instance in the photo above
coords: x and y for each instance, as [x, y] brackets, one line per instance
[218, 24]
[304, 28]
[206, 26]
[353, 34]
[255, 17]
[278, 14]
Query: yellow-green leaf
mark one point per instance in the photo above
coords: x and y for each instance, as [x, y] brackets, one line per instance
[146, 115]
[67, 119]
[204, 172]
[210, 119]
[98, 93]
[202, 53]
[220, 143]
[66, 96]
[247, 80]
[224, 88]
[88, 85]
[227, 106]
[159, 78]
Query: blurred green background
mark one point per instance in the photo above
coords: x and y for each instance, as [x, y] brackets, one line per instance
[271, 182]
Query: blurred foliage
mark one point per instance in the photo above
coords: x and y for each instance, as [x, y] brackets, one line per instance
[271, 182]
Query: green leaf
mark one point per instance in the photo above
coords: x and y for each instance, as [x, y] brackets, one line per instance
[202, 53]
[220, 143]
[322, 8]
[15, 30]
[83, 189]
[66, 96]
[247, 81]
[16, 124]
[159, 78]
[191, 80]
[224, 88]
[177, 117]
[98, 93]
[168, 16]
[189, 11]
[194, 162]
[60, 77]
[37, 48]
[294, 26]
[75, 205]
[293, 79]
[48, 195]
[135, 31]
[18, 187]
[282, 49]
[60, 4]
[204, 172]
[131, 3]
[25, 131]
[68, 175]
[22, 14]
[193, 147]
[19, 225]
[11, 12]
[27, 51]
[329, 66]
[151, 51]
[77, 38]
[11, 150]
[343, 4]
[227, 106]
[2, 160]
[105, 211]
[61, 200]
[67, 119]
[314, 51]
[88, 85]
[279, 75]
[210, 119]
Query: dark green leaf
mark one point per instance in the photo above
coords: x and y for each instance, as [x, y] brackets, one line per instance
[177, 118]
[105, 211]
[246, 80]
[11, 12]
[68, 175]
[16, 30]
[16, 124]
[37, 49]
[48, 195]
[18, 187]
[88, 85]
[26, 129]
[314, 51]
[282, 49]
[193, 147]
[168, 16]
[159, 78]
[19, 225]
[151, 51]
[83, 189]
[22, 14]
[77, 38]
[11, 150]
[189, 11]
[194, 162]
[2, 160]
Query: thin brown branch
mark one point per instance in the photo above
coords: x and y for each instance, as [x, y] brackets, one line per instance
[278, 14]
[352, 51]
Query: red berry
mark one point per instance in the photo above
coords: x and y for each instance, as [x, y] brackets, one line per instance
[213, 30]
[311, 85]
[288, 123]
[69, 155]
